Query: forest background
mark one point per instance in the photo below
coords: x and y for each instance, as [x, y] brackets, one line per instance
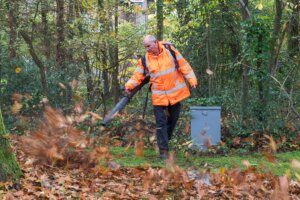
[244, 53]
[70, 58]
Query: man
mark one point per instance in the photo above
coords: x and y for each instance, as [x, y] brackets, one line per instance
[168, 87]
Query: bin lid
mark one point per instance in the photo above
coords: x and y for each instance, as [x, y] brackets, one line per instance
[205, 108]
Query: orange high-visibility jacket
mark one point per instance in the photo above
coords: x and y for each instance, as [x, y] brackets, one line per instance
[168, 85]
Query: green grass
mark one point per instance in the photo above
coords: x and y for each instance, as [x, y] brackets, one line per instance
[126, 157]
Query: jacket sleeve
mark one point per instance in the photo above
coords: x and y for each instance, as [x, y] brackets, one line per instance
[137, 77]
[185, 68]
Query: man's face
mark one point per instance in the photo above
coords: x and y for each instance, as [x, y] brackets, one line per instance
[151, 47]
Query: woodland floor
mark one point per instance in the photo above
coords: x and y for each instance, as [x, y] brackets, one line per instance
[57, 165]
[110, 181]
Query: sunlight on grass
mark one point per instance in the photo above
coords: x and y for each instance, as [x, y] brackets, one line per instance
[126, 157]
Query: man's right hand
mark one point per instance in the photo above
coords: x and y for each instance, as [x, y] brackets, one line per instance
[127, 91]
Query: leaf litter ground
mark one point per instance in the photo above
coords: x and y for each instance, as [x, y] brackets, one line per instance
[59, 161]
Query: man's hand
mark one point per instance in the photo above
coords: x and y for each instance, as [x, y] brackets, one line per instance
[194, 86]
[127, 91]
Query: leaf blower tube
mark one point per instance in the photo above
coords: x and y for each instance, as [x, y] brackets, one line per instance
[123, 102]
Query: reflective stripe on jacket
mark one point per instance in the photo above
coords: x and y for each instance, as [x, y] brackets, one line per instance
[168, 85]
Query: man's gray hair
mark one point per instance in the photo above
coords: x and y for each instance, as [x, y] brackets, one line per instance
[150, 38]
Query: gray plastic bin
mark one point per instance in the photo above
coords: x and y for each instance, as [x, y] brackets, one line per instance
[205, 126]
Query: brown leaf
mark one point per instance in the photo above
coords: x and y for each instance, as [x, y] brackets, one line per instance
[9, 196]
[62, 86]
[246, 163]
[16, 97]
[270, 157]
[28, 96]
[284, 186]
[295, 164]
[236, 140]
[16, 107]
[272, 142]
[52, 153]
[95, 115]
[207, 142]
[19, 193]
[73, 84]
[139, 148]
[78, 108]
[187, 128]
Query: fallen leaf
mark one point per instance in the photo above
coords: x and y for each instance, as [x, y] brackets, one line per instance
[209, 72]
[16, 107]
[62, 86]
[295, 164]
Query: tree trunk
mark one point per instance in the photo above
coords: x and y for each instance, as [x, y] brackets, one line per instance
[9, 168]
[184, 15]
[293, 32]
[274, 46]
[12, 6]
[261, 93]
[234, 42]
[114, 57]
[275, 36]
[104, 18]
[208, 56]
[37, 61]
[89, 80]
[60, 33]
[245, 79]
[71, 32]
[160, 19]
[45, 30]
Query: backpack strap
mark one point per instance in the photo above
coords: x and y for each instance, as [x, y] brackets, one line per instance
[144, 64]
[168, 46]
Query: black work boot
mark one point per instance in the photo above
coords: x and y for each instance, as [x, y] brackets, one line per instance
[163, 154]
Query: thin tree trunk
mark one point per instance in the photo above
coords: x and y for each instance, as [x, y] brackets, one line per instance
[160, 19]
[261, 94]
[60, 32]
[89, 80]
[71, 33]
[208, 57]
[45, 30]
[275, 35]
[234, 42]
[245, 79]
[293, 33]
[104, 18]
[12, 6]
[274, 47]
[114, 57]
[37, 61]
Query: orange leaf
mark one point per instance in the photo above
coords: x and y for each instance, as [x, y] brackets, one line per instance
[16, 97]
[272, 142]
[139, 149]
[52, 153]
[16, 107]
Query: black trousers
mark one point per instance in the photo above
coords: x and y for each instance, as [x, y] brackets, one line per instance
[166, 118]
